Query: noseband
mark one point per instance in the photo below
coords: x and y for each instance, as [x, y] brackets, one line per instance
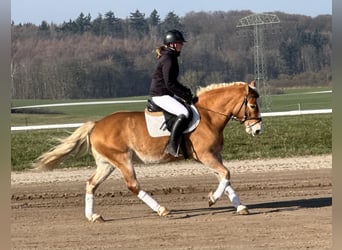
[245, 116]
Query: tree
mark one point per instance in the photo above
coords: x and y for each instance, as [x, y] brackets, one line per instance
[154, 19]
[171, 21]
[290, 53]
[138, 24]
[112, 25]
[113, 57]
[83, 23]
[153, 23]
[69, 27]
[98, 26]
[44, 29]
[44, 26]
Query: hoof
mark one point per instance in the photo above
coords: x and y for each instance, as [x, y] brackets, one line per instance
[96, 218]
[211, 199]
[162, 211]
[242, 210]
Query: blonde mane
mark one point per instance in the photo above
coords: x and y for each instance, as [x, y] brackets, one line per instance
[217, 86]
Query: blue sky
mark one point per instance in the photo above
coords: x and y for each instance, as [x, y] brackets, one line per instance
[35, 11]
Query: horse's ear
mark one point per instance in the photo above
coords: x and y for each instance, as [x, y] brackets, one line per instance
[252, 87]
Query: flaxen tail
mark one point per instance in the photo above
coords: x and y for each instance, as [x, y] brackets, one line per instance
[72, 145]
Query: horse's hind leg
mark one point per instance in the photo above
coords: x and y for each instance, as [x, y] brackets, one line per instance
[128, 173]
[103, 170]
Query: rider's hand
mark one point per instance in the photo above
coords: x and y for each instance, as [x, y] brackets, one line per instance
[188, 97]
[194, 99]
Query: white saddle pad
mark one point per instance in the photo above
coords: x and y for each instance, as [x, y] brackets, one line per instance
[156, 127]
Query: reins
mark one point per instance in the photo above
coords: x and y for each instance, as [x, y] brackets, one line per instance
[245, 116]
[210, 110]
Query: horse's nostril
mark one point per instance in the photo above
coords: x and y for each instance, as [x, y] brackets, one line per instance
[258, 131]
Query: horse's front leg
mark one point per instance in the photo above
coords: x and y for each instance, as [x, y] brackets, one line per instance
[234, 198]
[224, 186]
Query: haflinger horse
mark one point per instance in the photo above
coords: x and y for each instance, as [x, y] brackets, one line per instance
[116, 139]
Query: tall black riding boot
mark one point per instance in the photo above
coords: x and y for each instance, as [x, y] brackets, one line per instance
[177, 129]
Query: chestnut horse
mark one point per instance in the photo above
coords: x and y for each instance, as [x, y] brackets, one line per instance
[116, 138]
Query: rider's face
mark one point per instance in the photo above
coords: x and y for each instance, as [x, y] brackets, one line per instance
[177, 46]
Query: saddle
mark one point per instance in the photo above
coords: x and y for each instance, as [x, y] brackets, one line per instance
[159, 122]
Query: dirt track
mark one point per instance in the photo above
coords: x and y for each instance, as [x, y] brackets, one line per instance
[290, 204]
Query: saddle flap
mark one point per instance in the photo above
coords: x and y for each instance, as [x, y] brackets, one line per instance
[155, 122]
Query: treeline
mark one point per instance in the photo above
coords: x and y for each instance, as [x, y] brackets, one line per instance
[112, 57]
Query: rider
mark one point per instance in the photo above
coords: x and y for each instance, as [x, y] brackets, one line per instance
[166, 90]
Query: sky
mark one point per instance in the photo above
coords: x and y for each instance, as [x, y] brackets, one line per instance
[36, 11]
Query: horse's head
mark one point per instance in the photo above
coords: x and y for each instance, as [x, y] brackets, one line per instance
[249, 112]
[237, 100]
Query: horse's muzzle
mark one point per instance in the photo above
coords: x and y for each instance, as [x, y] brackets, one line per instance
[254, 129]
[258, 131]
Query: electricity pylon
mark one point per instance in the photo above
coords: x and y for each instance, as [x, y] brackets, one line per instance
[259, 21]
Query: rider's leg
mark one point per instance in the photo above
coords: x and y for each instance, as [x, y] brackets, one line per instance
[172, 106]
[177, 129]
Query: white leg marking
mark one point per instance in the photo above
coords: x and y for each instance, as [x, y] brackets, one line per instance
[240, 208]
[230, 192]
[89, 206]
[220, 189]
[149, 201]
[152, 203]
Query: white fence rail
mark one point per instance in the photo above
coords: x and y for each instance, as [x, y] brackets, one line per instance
[76, 125]
[77, 104]
[297, 112]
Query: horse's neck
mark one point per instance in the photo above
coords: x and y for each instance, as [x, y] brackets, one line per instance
[215, 113]
[220, 104]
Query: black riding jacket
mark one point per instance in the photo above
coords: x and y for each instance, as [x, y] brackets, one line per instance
[164, 79]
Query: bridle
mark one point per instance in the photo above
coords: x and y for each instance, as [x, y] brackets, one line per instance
[245, 116]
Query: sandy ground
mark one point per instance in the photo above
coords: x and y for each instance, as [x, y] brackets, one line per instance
[290, 204]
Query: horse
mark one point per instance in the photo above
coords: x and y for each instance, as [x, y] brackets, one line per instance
[115, 140]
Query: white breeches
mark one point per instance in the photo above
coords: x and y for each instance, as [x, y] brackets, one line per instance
[171, 105]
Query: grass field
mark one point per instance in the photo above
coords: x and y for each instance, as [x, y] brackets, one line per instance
[282, 137]
[308, 98]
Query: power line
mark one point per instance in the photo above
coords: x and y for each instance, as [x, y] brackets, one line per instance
[258, 21]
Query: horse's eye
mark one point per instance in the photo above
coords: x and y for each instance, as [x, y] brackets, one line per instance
[252, 106]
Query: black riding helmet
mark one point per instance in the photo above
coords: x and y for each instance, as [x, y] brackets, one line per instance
[173, 36]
